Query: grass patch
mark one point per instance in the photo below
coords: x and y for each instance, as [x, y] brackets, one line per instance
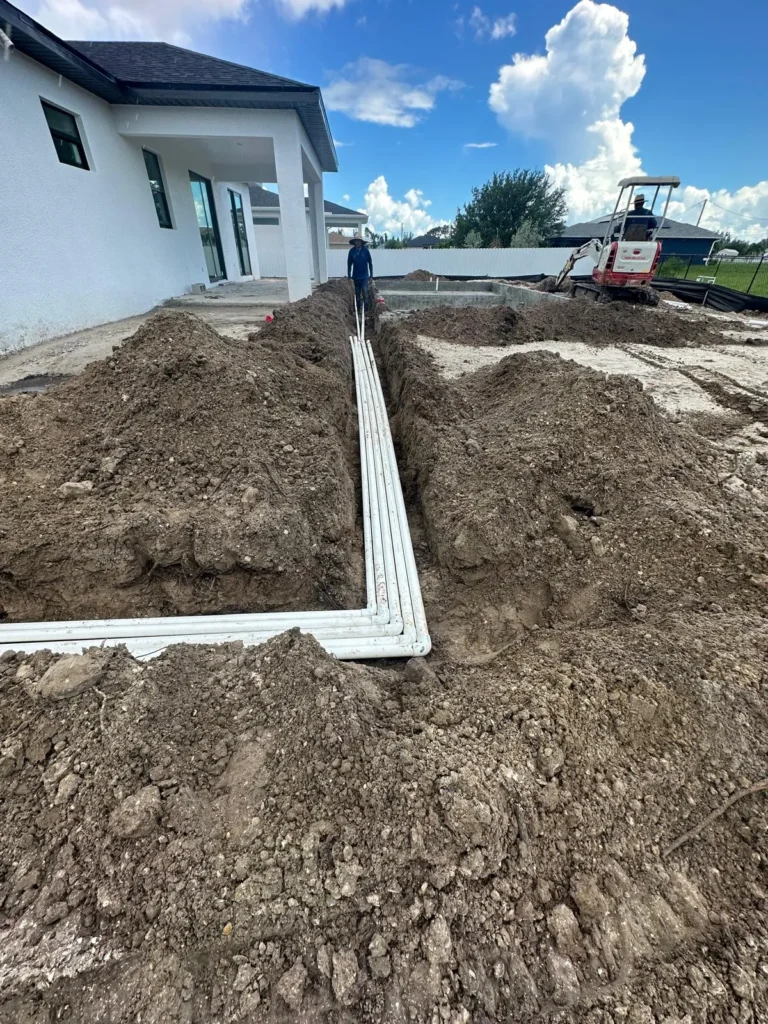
[738, 276]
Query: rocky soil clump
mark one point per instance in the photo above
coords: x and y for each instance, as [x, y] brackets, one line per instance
[266, 834]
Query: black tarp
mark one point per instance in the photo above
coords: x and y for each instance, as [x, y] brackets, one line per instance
[725, 299]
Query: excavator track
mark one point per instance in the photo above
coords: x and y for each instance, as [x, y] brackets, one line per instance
[599, 293]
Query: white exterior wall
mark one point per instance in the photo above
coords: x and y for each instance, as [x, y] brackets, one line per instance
[81, 248]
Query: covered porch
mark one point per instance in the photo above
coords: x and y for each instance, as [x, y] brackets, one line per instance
[221, 151]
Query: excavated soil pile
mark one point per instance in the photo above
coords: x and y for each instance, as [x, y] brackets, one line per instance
[270, 835]
[467, 325]
[187, 474]
[419, 275]
[593, 323]
[553, 492]
[613, 323]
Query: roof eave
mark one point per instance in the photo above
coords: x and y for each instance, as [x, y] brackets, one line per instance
[309, 109]
[36, 42]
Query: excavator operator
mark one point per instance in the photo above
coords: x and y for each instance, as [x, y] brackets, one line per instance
[640, 222]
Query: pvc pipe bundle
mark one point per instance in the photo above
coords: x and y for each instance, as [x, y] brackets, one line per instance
[392, 624]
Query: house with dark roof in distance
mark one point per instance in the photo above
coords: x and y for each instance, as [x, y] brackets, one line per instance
[423, 242]
[677, 238]
[268, 232]
[125, 174]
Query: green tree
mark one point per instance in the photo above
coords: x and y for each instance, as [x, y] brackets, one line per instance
[526, 237]
[498, 209]
[375, 240]
[394, 243]
[472, 240]
[742, 247]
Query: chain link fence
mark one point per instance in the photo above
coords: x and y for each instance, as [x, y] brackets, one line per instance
[741, 273]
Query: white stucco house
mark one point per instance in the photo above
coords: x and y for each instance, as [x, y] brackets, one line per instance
[125, 172]
[268, 230]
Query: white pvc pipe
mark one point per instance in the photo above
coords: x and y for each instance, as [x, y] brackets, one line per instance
[391, 575]
[411, 568]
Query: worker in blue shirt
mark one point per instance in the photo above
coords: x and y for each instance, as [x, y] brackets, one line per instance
[360, 269]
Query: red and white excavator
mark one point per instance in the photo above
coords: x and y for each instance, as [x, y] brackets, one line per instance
[627, 256]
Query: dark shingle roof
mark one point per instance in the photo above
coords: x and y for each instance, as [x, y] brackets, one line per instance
[158, 74]
[263, 198]
[671, 229]
[340, 210]
[162, 63]
[423, 241]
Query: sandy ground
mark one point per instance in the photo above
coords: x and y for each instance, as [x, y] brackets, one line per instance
[673, 391]
[233, 310]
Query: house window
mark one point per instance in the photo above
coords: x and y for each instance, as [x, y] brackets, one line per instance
[272, 221]
[158, 189]
[241, 238]
[66, 136]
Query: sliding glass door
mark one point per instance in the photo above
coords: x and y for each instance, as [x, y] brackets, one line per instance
[202, 193]
[241, 238]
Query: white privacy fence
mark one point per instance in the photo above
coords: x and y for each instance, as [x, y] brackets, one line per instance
[442, 262]
[271, 261]
[460, 262]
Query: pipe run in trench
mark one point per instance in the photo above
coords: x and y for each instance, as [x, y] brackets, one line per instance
[392, 624]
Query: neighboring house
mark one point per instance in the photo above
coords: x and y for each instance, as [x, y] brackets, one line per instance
[423, 242]
[675, 237]
[268, 232]
[124, 175]
[338, 241]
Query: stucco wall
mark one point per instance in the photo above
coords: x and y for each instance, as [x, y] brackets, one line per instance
[81, 248]
[269, 242]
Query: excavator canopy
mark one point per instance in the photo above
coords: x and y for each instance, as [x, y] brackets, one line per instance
[671, 181]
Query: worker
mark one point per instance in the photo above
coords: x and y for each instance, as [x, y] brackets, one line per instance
[360, 269]
[640, 222]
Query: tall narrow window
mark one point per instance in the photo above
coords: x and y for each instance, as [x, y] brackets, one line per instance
[241, 238]
[66, 136]
[202, 194]
[158, 189]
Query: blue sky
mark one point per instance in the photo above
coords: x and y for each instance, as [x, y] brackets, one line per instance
[551, 83]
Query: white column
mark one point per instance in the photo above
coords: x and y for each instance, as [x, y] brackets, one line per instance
[293, 214]
[319, 232]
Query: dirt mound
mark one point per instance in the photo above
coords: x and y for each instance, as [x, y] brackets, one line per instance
[611, 323]
[555, 493]
[187, 474]
[269, 835]
[467, 325]
[593, 323]
[420, 275]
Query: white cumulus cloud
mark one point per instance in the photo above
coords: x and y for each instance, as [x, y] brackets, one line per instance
[487, 28]
[174, 21]
[503, 27]
[299, 8]
[571, 96]
[171, 20]
[387, 214]
[480, 145]
[373, 90]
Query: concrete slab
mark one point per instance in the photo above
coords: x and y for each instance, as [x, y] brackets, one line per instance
[396, 300]
[267, 293]
[435, 286]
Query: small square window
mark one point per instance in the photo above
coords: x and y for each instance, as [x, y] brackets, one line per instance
[158, 189]
[66, 136]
